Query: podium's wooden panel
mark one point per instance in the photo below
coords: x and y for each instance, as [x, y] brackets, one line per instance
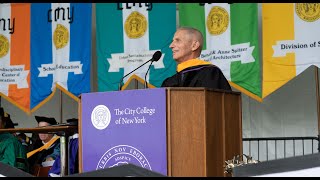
[203, 130]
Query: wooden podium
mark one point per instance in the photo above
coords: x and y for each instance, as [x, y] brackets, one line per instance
[204, 129]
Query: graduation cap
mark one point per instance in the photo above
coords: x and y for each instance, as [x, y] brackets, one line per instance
[72, 121]
[9, 123]
[7, 119]
[50, 120]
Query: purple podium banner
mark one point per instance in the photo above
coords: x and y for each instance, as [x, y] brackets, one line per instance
[122, 127]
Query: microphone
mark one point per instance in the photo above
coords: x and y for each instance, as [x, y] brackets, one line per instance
[155, 57]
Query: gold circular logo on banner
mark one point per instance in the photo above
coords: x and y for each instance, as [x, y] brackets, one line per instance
[60, 36]
[308, 11]
[217, 20]
[4, 45]
[135, 25]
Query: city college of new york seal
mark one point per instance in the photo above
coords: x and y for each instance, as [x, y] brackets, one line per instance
[217, 20]
[135, 25]
[4, 46]
[60, 36]
[123, 154]
[309, 12]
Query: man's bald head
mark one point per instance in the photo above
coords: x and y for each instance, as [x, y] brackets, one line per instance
[186, 44]
[194, 35]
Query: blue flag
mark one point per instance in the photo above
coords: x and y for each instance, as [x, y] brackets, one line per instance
[60, 50]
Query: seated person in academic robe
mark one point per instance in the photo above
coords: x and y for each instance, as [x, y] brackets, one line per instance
[55, 170]
[11, 150]
[26, 141]
[46, 154]
[36, 141]
[22, 137]
[192, 72]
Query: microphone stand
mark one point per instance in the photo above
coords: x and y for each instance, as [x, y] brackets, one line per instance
[145, 77]
[120, 84]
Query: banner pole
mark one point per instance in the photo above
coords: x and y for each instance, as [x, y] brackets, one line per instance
[61, 108]
[318, 104]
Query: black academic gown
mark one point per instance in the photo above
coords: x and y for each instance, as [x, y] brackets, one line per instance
[209, 76]
[40, 156]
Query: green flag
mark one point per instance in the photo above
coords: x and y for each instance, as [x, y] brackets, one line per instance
[231, 40]
[128, 34]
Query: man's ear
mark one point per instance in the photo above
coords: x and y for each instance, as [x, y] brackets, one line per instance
[195, 45]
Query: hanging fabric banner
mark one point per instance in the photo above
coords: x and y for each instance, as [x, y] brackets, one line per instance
[60, 50]
[291, 42]
[15, 54]
[231, 40]
[128, 34]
